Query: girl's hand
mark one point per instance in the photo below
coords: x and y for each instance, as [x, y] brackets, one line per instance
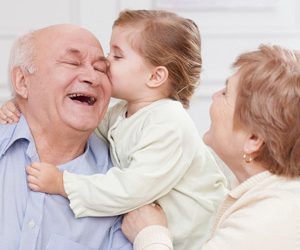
[9, 112]
[46, 178]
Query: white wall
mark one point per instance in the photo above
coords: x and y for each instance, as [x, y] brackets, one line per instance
[228, 27]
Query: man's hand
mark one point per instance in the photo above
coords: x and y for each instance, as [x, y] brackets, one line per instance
[9, 112]
[142, 217]
[44, 177]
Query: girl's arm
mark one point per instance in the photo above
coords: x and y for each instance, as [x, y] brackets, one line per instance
[108, 120]
[156, 165]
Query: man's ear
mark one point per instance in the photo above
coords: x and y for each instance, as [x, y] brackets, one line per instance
[252, 144]
[19, 82]
[159, 76]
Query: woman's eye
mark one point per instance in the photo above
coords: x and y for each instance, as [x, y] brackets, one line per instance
[117, 57]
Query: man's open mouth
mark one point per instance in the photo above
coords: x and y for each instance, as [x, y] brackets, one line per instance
[89, 100]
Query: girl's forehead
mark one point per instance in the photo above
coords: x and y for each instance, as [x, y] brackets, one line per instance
[125, 37]
[125, 31]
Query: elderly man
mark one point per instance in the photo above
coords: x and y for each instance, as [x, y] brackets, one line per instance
[59, 76]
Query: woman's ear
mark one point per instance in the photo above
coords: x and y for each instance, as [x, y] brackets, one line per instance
[159, 76]
[19, 82]
[253, 144]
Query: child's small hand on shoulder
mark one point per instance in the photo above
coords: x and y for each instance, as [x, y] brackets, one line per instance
[9, 112]
[46, 178]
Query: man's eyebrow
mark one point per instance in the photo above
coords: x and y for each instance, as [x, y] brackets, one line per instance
[73, 51]
[77, 52]
[102, 59]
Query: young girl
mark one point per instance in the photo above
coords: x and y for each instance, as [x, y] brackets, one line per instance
[155, 64]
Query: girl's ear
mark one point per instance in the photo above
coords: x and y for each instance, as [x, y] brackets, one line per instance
[159, 76]
[19, 82]
[253, 144]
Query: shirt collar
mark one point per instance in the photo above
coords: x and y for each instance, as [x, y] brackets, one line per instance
[248, 184]
[95, 148]
[11, 133]
[78, 161]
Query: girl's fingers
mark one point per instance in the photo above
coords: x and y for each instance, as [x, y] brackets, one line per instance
[8, 117]
[36, 165]
[33, 187]
[32, 180]
[12, 108]
[32, 171]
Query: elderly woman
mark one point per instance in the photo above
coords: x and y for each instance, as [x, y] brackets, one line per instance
[255, 129]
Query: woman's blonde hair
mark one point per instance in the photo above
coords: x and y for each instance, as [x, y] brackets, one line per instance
[268, 103]
[166, 39]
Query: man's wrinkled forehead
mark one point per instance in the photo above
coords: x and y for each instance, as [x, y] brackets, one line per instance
[71, 46]
[77, 51]
[82, 51]
[70, 36]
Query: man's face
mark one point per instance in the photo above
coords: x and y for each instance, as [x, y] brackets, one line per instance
[70, 88]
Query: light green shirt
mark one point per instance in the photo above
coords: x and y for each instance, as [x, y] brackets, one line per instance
[157, 155]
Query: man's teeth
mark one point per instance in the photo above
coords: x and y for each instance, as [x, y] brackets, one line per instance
[91, 100]
[75, 95]
[83, 98]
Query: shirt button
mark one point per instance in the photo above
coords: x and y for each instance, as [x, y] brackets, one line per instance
[31, 224]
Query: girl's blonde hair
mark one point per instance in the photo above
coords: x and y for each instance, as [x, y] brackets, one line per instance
[166, 39]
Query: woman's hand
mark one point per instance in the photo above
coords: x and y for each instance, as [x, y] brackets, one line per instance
[142, 217]
[9, 112]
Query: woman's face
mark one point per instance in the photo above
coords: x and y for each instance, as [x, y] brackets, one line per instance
[221, 137]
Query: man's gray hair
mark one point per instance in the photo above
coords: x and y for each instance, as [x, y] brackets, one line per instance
[22, 55]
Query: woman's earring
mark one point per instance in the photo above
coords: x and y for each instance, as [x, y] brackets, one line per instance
[247, 158]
